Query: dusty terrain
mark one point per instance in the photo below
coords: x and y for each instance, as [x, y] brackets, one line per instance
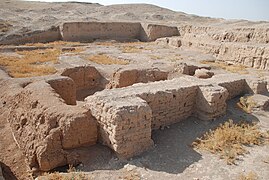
[119, 108]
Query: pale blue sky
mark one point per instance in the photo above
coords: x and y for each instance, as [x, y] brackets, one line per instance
[228, 9]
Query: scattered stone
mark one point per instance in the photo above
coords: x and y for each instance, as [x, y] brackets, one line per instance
[129, 167]
[203, 73]
[258, 102]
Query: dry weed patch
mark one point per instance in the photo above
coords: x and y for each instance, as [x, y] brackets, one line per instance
[106, 43]
[249, 176]
[176, 57]
[55, 44]
[72, 174]
[30, 63]
[73, 51]
[131, 175]
[229, 140]
[131, 49]
[155, 57]
[107, 60]
[4, 26]
[234, 68]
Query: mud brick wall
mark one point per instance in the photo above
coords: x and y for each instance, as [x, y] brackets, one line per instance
[126, 116]
[170, 106]
[65, 87]
[235, 87]
[127, 77]
[90, 31]
[151, 32]
[248, 54]
[256, 85]
[45, 128]
[50, 35]
[228, 34]
[210, 102]
[85, 77]
[124, 124]
[167, 101]
[255, 56]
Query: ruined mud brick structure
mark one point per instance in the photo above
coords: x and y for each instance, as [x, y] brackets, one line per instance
[242, 45]
[246, 46]
[125, 126]
[129, 76]
[48, 125]
[90, 31]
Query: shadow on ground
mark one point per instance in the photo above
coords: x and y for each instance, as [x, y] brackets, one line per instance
[7, 173]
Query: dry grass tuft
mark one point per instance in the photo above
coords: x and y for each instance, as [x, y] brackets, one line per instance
[234, 68]
[4, 26]
[131, 49]
[107, 60]
[130, 175]
[249, 176]
[106, 43]
[73, 51]
[72, 174]
[246, 103]
[55, 44]
[176, 57]
[155, 57]
[69, 176]
[228, 140]
[30, 63]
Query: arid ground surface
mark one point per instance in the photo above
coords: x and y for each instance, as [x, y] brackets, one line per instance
[206, 47]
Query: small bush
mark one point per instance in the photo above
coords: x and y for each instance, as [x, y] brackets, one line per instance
[228, 140]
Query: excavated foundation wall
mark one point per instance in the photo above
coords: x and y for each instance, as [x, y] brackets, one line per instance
[66, 88]
[230, 34]
[44, 127]
[129, 76]
[122, 117]
[87, 80]
[48, 130]
[151, 32]
[50, 35]
[249, 54]
[242, 45]
[91, 31]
